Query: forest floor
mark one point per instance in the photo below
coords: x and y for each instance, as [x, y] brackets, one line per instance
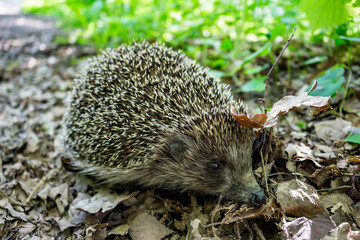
[313, 179]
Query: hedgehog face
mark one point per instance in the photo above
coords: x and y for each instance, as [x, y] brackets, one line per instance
[203, 166]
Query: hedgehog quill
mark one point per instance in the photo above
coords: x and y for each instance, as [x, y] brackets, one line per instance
[147, 115]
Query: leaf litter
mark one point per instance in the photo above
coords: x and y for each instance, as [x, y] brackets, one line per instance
[311, 174]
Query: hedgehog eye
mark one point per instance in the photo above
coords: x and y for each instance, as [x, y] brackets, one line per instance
[215, 166]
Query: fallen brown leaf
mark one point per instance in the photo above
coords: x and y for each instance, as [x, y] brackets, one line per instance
[284, 105]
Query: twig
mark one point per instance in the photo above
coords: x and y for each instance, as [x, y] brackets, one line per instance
[247, 226]
[270, 71]
[284, 173]
[213, 224]
[258, 231]
[334, 189]
[345, 93]
[264, 170]
[48, 176]
[2, 177]
[237, 230]
[213, 217]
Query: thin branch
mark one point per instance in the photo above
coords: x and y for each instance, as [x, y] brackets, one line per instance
[335, 189]
[213, 217]
[258, 231]
[277, 60]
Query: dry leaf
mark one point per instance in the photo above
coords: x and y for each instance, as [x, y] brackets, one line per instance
[146, 226]
[332, 199]
[333, 130]
[255, 122]
[26, 227]
[304, 228]
[4, 203]
[121, 230]
[343, 231]
[284, 105]
[299, 199]
[300, 153]
[104, 200]
[195, 230]
[289, 103]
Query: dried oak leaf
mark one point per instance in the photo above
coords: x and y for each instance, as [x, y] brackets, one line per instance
[284, 105]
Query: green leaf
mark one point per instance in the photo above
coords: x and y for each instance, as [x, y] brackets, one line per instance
[255, 85]
[351, 39]
[302, 125]
[356, 3]
[215, 73]
[226, 45]
[329, 82]
[257, 69]
[96, 8]
[315, 60]
[353, 138]
[327, 13]
[262, 51]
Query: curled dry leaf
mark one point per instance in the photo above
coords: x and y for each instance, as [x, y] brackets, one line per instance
[257, 121]
[284, 105]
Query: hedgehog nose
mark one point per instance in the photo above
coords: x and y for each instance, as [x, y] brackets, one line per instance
[258, 198]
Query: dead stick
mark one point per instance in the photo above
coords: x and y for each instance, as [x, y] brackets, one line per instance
[264, 170]
[273, 66]
[2, 177]
[247, 226]
[335, 189]
[238, 235]
[213, 217]
[48, 176]
[258, 231]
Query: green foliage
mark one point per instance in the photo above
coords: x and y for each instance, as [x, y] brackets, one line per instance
[216, 32]
[215, 73]
[353, 138]
[327, 13]
[108, 22]
[302, 125]
[329, 82]
[351, 39]
[265, 50]
[257, 69]
[255, 85]
[228, 23]
[316, 59]
[226, 45]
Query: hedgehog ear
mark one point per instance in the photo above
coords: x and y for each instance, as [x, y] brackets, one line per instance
[178, 146]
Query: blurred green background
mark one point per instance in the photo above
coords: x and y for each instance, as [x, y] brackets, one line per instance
[226, 36]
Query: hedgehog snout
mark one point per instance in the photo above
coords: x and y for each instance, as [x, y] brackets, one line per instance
[258, 198]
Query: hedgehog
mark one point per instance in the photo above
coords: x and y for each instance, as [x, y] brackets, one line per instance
[146, 115]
